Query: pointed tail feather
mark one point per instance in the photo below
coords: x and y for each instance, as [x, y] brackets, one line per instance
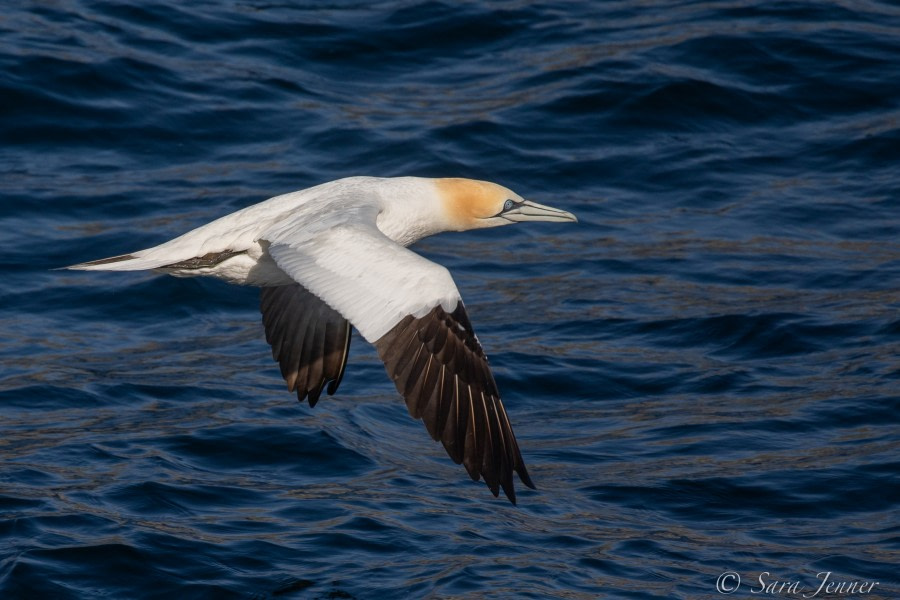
[123, 262]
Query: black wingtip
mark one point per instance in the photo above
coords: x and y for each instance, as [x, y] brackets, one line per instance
[524, 477]
[315, 394]
[333, 386]
[510, 492]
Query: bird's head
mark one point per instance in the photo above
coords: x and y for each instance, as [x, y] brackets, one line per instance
[471, 204]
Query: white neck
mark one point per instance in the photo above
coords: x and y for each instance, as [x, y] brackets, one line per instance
[411, 210]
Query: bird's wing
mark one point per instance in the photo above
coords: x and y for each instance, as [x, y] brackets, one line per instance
[309, 339]
[410, 308]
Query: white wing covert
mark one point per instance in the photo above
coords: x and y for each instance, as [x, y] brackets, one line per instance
[361, 273]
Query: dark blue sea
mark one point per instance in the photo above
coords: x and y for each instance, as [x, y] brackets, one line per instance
[703, 373]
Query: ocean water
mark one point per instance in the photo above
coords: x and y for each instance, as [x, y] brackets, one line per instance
[703, 373]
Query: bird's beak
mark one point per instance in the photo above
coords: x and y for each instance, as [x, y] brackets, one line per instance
[532, 211]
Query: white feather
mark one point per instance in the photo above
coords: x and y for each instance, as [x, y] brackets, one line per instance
[344, 241]
[364, 275]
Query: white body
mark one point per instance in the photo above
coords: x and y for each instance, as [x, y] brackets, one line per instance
[344, 241]
[406, 208]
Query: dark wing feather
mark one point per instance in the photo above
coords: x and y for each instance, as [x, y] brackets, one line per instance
[309, 339]
[439, 367]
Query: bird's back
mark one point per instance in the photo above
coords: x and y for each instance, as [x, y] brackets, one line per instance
[235, 237]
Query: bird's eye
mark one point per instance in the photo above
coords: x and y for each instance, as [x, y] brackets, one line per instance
[508, 204]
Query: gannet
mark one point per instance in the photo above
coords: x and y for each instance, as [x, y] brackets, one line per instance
[336, 255]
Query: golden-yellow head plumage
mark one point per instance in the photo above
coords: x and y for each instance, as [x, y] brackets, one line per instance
[469, 202]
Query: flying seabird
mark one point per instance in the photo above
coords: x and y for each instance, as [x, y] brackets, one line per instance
[335, 255]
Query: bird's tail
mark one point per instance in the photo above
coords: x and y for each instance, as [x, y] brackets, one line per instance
[123, 262]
